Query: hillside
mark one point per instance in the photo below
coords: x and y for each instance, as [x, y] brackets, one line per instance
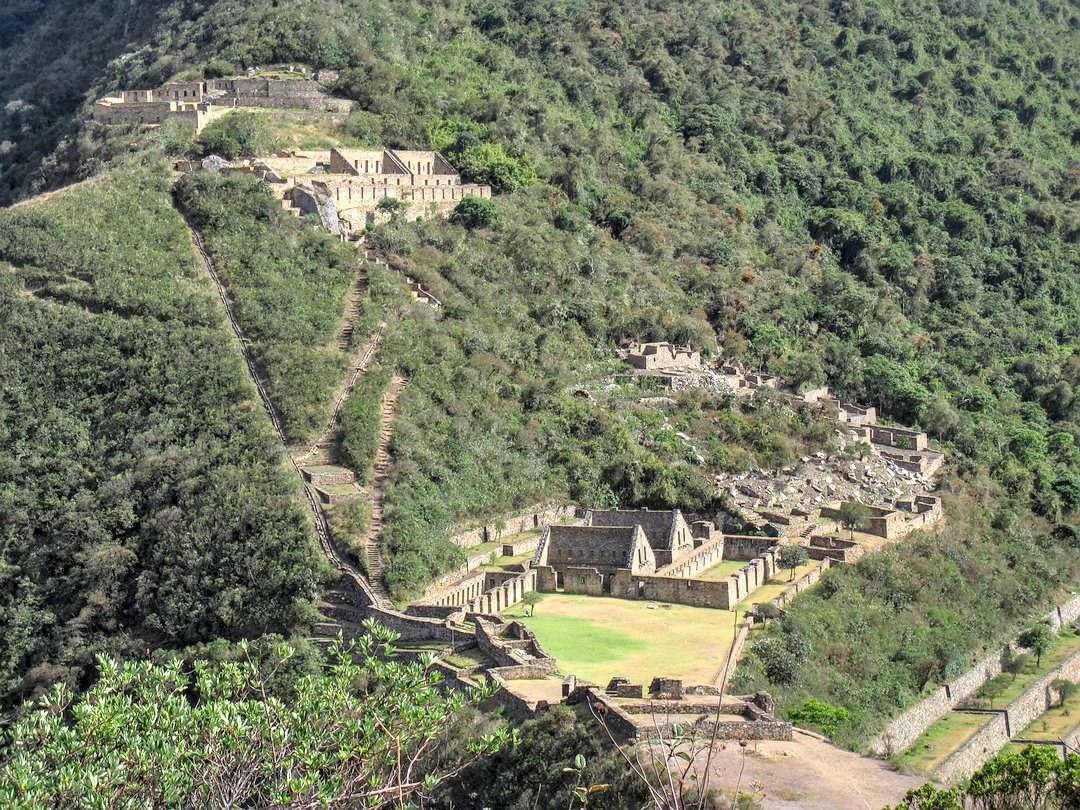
[881, 197]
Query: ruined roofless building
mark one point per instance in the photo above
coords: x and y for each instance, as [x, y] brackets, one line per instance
[658, 356]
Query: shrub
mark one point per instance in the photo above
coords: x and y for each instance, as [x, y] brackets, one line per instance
[474, 212]
[236, 134]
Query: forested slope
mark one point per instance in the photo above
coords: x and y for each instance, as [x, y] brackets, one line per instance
[881, 196]
[142, 499]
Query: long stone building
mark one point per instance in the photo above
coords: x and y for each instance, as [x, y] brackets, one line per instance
[201, 101]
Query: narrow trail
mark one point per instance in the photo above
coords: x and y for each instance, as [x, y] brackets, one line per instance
[376, 492]
[324, 441]
[376, 595]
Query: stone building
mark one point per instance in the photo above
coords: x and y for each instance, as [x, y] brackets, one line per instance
[583, 559]
[201, 101]
[662, 356]
[667, 531]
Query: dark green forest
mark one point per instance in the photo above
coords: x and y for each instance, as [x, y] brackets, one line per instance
[880, 196]
[143, 502]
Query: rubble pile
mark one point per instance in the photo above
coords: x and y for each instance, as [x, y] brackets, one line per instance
[821, 479]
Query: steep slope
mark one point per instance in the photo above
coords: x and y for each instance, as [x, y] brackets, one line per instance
[142, 501]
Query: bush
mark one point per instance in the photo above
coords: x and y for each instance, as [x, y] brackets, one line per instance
[237, 134]
[820, 714]
[474, 212]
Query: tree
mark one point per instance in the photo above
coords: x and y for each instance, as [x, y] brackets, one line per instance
[1038, 639]
[531, 600]
[791, 557]
[475, 212]
[392, 206]
[854, 515]
[359, 734]
[1064, 689]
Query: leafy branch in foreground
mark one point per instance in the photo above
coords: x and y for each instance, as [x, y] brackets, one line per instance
[361, 734]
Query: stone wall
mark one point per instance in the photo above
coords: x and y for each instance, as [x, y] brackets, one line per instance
[535, 517]
[963, 762]
[617, 721]
[742, 547]
[704, 556]
[694, 592]
[587, 581]
[906, 727]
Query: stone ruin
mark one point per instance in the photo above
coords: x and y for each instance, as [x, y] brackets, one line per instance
[201, 101]
[343, 187]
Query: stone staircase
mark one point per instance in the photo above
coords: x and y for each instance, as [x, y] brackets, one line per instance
[352, 312]
[375, 563]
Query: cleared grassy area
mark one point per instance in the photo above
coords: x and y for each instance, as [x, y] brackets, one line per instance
[722, 570]
[467, 658]
[941, 740]
[597, 638]
[1006, 687]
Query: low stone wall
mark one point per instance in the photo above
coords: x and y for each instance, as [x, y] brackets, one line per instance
[802, 583]
[745, 547]
[747, 730]
[535, 517]
[963, 762]
[832, 548]
[417, 628]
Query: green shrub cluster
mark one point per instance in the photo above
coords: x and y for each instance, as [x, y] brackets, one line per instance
[289, 284]
[142, 501]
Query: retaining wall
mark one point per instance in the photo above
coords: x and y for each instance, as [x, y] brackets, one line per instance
[906, 727]
[535, 517]
[986, 742]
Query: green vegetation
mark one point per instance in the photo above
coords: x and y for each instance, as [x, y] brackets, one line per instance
[878, 196]
[142, 502]
[289, 283]
[210, 736]
[792, 557]
[1033, 777]
[360, 421]
[236, 134]
[349, 524]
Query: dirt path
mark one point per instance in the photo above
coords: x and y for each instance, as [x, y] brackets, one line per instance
[810, 774]
[376, 492]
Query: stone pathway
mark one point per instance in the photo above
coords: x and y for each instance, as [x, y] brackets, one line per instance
[376, 492]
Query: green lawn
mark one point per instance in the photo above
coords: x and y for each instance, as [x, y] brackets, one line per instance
[597, 638]
[940, 740]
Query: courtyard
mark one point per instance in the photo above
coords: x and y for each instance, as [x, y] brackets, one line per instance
[597, 638]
